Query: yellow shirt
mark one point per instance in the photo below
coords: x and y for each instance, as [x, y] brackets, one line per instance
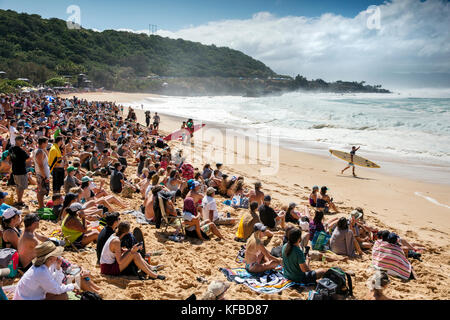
[54, 156]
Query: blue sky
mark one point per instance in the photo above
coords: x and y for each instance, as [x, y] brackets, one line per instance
[395, 43]
[176, 14]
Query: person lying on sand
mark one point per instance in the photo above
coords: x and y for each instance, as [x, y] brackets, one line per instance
[114, 260]
[257, 258]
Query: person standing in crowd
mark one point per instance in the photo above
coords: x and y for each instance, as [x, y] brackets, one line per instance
[42, 170]
[56, 163]
[19, 158]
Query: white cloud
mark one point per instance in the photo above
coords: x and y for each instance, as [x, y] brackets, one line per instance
[413, 40]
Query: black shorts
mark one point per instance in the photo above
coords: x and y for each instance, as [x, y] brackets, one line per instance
[193, 234]
[310, 277]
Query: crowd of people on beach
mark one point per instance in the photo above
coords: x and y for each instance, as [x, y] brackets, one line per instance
[57, 148]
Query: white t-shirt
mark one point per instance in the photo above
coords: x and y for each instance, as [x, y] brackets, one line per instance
[12, 135]
[38, 281]
[209, 204]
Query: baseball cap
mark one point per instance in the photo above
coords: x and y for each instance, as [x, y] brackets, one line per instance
[86, 179]
[210, 191]
[356, 214]
[195, 184]
[259, 227]
[10, 213]
[71, 168]
[74, 207]
[3, 195]
[267, 198]
[5, 155]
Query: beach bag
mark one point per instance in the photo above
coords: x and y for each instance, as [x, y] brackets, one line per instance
[320, 240]
[46, 214]
[340, 278]
[9, 259]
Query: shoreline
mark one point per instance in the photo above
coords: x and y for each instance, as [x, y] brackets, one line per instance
[388, 197]
[428, 170]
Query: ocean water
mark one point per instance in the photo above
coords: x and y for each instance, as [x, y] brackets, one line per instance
[405, 127]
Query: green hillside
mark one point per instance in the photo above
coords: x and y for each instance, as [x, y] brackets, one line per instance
[40, 49]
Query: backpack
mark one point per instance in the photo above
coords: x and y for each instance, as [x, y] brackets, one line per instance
[9, 259]
[47, 214]
[334, 282]
[320, 240]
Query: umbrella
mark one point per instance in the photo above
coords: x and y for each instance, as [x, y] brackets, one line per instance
[49, 98]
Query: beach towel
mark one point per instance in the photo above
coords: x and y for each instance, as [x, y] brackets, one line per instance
[390, 257]
[269, 282]
[140, 217]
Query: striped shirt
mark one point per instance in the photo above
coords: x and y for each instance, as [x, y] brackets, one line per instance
[390, 257]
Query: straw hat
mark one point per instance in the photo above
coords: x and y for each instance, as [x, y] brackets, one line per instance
[46, 250]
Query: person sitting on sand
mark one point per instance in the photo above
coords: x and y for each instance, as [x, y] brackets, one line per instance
[292, 215]
[75, 230]
[112, 220]
[389, 256]
[313, 196]
[295, 265]
[268, 216]
[71, 181]
[44, 280]
[210, 210]
[343, 241]
[11, 220]
[363, 241]
[216, 291]
[257, 258]
[215, 181]
[247, 223]
[195, 194]
[256, 195]
[113, 260]
[324, 202]
[195, 228]
[376, 284]
[207, 172]
[316, 225]
[28, 241]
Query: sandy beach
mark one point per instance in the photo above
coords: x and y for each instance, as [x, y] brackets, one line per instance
[388, 202]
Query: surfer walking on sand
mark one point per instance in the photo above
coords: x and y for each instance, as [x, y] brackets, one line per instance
[351, 164]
